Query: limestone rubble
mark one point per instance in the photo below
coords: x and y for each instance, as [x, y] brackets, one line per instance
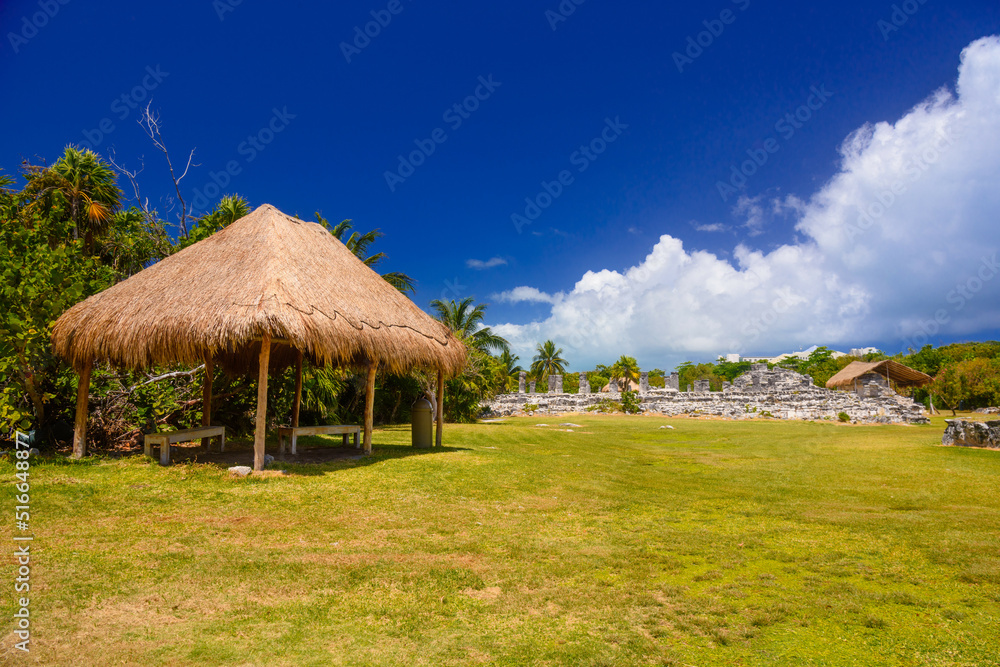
[971, 434]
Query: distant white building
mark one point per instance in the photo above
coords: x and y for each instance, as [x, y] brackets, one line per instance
[803, 354]
[862, 351]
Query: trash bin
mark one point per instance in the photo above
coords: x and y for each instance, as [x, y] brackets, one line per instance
[422, 423]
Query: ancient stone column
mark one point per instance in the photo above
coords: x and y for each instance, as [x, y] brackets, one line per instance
[520, 382]
[559, 384]
[674, 382]
[613, 386]
[552, 384]
[643, 383]
[531, 387]
[726, 385]
[584, 384]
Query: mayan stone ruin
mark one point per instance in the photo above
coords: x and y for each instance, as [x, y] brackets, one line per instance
[962, 433]
[759, 393]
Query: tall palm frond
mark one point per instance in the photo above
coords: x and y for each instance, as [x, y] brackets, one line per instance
[465, 320]
[548, 361]
[85, 182]
[359, 244]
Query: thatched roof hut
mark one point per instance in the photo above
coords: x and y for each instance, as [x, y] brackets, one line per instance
[266, 278]
[892, 371]
[632, 386]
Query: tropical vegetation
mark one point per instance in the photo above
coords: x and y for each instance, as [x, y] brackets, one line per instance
[70, 231]
[547, 361]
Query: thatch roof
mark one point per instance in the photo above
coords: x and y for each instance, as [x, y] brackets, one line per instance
[265, 273]
[903, 376]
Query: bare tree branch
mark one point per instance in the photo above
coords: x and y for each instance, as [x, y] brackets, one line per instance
[150, 123]
[165, 376]
[132, 177]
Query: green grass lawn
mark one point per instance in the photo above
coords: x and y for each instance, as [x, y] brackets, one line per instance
[716, 543]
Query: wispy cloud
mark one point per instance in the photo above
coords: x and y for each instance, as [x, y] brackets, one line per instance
[711, 227]
[480, 265]
[753, 209]
[524, 295]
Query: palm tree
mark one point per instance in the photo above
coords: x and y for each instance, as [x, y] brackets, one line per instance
[547, 361]
[229, 209]
[625, 370]
[84, 181]
[359, 244]
[466, 322]
[510, 367]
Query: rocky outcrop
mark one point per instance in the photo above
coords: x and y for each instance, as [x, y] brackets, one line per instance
[962, 433]
[778, 393]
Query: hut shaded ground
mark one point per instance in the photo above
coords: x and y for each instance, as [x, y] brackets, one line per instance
[264, 293]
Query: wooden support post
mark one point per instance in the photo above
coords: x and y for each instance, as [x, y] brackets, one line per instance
[440, 408]
[206, 400]
[260, 432]
[80, 428]
[297, 401]
[370, 406]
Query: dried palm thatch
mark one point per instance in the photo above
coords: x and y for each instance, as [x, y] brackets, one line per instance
[267, 273]
[902, 376]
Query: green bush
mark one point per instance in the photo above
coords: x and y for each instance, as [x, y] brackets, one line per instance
[606, 405]
[630, 402]
[843, 416]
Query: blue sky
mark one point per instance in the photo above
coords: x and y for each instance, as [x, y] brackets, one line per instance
[636, 251]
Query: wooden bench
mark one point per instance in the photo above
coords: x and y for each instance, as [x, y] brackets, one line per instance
[294, 432]
[164, 440]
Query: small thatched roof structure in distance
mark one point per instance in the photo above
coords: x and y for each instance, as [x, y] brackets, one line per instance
[267, 291]
[265, 273]
[897, 373]
[632, 386]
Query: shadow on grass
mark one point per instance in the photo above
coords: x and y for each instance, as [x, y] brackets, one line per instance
[314, 455]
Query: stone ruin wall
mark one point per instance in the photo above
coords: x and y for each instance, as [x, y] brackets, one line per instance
[962, 433]
[778, 393]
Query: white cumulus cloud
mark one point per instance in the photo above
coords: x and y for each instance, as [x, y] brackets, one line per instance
[899, 247]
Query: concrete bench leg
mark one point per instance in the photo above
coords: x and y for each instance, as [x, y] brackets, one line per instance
[222, 442]
[147, 447]
[294, 438]
[357, 440]
[281, 443]
[165, 452]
